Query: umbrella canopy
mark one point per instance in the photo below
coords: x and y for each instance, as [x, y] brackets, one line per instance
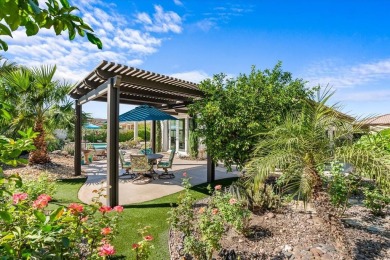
[144, 113]
[91, 126]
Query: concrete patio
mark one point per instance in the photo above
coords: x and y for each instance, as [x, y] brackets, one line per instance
[134, 193]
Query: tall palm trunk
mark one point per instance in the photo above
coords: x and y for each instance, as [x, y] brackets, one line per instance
[39, 155]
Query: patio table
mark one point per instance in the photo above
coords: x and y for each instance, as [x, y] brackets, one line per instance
[152, 158]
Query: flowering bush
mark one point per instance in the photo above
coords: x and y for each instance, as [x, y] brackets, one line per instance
[233, 212]
[43, 185]
[29, 230]
[143, 248]
[203, 231]
[182, 216]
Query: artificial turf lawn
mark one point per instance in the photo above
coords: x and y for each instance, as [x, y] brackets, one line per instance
[152, 213]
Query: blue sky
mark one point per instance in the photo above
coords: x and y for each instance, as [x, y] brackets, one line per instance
[345, 44]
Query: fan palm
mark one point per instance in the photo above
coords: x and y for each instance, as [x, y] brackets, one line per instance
[40, 97]
[301, 145]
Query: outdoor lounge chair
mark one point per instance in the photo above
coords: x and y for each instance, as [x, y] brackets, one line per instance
[125, 165]
[167, 165]
[140, 165]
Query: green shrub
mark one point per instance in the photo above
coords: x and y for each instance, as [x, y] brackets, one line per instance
[43, 185]
[55, 144]
[141, 134]
[376, 201]
[69, 148]
[126, 135]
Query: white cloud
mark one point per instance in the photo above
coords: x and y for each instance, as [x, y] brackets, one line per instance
[122, 41]
[344, 76]
[377, 95]
[206, 24]
[195, 76]
[178, 2]
[162, 21]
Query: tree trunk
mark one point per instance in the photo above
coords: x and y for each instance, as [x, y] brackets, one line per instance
[39, 155]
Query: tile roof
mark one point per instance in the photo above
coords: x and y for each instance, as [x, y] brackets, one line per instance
[377, 120]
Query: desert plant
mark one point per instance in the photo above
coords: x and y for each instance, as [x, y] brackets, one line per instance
[69, 148]
[376, 201]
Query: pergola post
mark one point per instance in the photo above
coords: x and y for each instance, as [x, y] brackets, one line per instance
[113, 142]
[77, 139]
[210, 169]
[153, 136]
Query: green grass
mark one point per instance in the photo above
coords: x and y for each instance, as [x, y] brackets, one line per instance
[152, 213]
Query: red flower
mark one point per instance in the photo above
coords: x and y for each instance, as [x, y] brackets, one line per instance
[135, 246]
[44, 197]
[118, 208]
[218, 187]
[184, 174]
[40, 204]
[214, 211]
[75, 208]
[104, 209]
[232, 201]
[18, 197]
[105, 231]
[148, 238]
[106, 250]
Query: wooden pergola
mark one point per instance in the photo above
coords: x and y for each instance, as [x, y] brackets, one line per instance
[119, 84]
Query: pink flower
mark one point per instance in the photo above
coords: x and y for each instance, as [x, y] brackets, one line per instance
[184, 174]
[118, 209]
[105, 231]
[148, 238]
[104, 209]
[214, 211]
[201, 210]
[75, 208]
[18, 197]
[218, 187]
[106, 250]
[40, 204]
[44, 197]
[232, 201]
[135, 246]
[84, 219]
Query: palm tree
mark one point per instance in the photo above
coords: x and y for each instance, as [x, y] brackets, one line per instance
[40, 97]
[301, 145]
[5, 107]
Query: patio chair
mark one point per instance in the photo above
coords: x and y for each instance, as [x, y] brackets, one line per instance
[146, 151]
[124, 164]
[167, 165]
[140, 165]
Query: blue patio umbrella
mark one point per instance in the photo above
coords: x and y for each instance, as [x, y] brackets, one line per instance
[144, 113]
[89, 126]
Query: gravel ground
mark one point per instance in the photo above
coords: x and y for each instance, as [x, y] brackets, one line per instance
[296, 234]
[61, 167]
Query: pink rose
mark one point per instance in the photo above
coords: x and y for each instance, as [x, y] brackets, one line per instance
[118, 209]
[106, 250]
[75, 208]
[105, 231]
[18, 197]
[135, 246]
[218, 187]
[232, 201]
[214, 211]
[184, 174]
[201, 210]
[104, 209]
[40, 204]
[44, 197]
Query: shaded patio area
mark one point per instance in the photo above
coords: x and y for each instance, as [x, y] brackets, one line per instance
[130, 193]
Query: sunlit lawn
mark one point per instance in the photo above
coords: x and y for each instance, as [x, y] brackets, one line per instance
[153, 213]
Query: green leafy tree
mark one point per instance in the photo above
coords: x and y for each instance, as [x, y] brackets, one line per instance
[38, 100]
[300, 146]
[58, 15]
[234, 111]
